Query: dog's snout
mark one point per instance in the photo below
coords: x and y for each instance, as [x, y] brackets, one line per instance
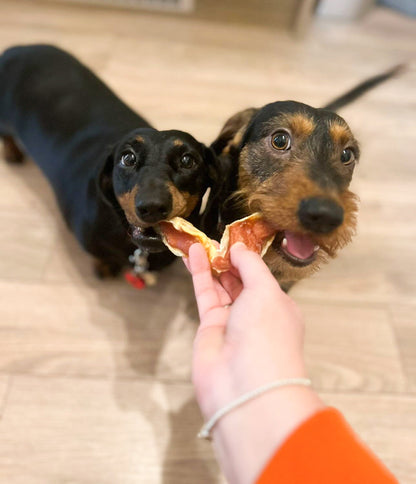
[320, 215]
[153, 210]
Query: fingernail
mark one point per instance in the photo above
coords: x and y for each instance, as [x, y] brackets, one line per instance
[240, 245]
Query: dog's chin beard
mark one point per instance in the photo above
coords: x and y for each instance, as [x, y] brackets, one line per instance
[147, 239]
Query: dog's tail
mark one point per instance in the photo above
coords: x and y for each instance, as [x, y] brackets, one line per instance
[362, 88]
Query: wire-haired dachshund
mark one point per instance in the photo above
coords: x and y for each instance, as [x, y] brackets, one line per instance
[114, 176]
[293, 164]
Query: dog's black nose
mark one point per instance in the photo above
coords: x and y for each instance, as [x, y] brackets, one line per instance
[152, 211]
[320, 215]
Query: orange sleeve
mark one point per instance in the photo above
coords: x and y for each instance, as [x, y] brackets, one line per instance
[325, 450]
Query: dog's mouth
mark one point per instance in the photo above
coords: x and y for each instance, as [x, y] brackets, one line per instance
[299, 250]
[147, 238]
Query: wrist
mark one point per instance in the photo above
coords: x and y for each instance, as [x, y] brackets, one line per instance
[235, 382]
[247, 437]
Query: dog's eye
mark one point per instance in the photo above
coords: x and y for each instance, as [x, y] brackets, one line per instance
[187, 161]
[128, 158]
[347, 156]
[281, 141]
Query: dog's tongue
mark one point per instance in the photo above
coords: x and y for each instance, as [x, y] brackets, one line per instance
[301, 246]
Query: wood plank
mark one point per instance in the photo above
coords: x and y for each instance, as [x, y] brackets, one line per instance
[26, 241]
[108, 329]
[352, 349]
[5, 381]
[404, 324]
[106, 431]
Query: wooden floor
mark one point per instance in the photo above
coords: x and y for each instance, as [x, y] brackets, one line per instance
[94, 382]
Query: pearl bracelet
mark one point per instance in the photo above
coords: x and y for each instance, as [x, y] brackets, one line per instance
[205, 432]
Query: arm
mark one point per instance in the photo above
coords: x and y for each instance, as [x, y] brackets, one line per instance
[325, 450]
[251, 334]
[238, 348]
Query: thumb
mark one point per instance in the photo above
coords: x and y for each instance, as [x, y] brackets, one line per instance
[254, 273]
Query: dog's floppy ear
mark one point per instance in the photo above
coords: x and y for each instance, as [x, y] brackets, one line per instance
[233, 131]
[105, 179]
[223, 167]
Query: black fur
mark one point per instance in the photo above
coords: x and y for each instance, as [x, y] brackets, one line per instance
[75, 128]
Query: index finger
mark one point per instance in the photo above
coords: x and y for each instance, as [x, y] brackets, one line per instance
[207, 296]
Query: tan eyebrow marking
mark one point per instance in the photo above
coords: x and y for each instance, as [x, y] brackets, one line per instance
[340, 134]
[300, 124]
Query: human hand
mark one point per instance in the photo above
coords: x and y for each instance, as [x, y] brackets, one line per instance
[251, 334]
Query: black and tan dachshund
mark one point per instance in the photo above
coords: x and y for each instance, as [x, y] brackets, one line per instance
[114, 176]
[293, 164]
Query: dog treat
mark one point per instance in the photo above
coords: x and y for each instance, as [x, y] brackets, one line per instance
[179, 234]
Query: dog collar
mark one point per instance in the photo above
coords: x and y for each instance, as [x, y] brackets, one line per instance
[140, 277]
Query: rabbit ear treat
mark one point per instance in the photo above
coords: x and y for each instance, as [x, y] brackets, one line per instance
[178, 235]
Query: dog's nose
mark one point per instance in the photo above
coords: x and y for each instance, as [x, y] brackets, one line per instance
[320, 215]
[152, 211]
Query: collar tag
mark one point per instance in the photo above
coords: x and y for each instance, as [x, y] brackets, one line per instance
[140, 270]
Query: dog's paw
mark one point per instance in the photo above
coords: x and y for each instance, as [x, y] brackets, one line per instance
[106, 270]
[12, 153]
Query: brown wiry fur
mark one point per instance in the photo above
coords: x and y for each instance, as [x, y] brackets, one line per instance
[293, 163]
[298, 123]
[233, 130]
[339, 133]
[276, 186]
[278, 199]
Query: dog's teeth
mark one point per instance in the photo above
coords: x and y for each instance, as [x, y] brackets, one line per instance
[137, 231]
[316, 248]
[284, 242]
